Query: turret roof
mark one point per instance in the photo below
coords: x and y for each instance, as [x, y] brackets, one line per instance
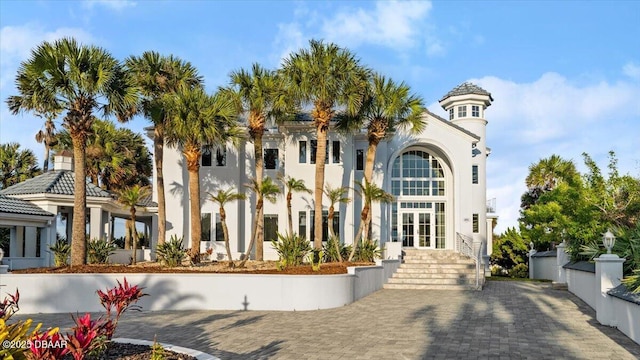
[467, 88]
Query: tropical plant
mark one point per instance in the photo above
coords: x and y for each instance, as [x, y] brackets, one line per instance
[223, 197]
[80, 80]
[171, 252]
[509, 249]
[627, 246]
[16, 165]
[292, 185]
[292, 250]
[61, 251]
[130, 198]
[259, 94]
[198, 119]
[371, 193]
[328, 78]
[17, 332]
[315, 258]
[334, 251]
[99, 251]
[335, 195]
[521, 271]
[368, 251]
[269, 191]
[47, 136]
[56, 342]
[158, 76]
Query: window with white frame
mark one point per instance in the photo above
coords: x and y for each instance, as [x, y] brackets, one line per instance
[474, 174]
[219, 230]
[451, 113]
[206, 157]
[205, 221]
[360, 159]
[302, 152]
[270, 159]
[335, 151]
[462, 111]
[221, 156]
[475, 110]
[476, 223]
[271, 227]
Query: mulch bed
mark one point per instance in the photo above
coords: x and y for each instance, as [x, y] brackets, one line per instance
[122, 351]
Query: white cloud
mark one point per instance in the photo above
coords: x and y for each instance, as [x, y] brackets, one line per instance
[117, 5]
[632, 70]
[289, 39]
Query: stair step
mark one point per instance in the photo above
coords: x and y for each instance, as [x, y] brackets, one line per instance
[435, 270]
[404, 275]
[454, 281]
[436, 266]
[429, 287]
[437, 261]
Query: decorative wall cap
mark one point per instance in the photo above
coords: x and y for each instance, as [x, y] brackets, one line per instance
[581, 266]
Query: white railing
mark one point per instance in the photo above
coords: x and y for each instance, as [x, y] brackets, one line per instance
[468, 248]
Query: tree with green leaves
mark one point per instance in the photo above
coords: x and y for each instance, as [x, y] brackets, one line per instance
[198, 120]
[77, 80]
[158, 76]
[326, 77]
[509, 249]
[16, 165]
[336, 196]
[222, 198]
[267, 190]
[130, 198]
[47, 136]
[293, 185]
[371, 193]
[259, 94]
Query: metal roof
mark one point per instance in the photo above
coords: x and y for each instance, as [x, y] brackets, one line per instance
[19, 206]
[59, 182]
[467, 88]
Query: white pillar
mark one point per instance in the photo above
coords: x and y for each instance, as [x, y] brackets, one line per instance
[13, 241]
[608, 276]
[95, 224]
[531, 253]
[562, 258]
[30, 241]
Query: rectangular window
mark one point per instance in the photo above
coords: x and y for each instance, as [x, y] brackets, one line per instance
[302, 224]
[314, 149]
[462, 111]
[206, 156]
[475, 110]
[359, 159]
[451, 113]
[219, 231]
[335, 150]
[270, 159]
[476, 224]
[221, 156]
[205, 220]
[302, 152]
[325, 223]
[474, 174]
[270, 228]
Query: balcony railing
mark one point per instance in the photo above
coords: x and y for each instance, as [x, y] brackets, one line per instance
[491, 206]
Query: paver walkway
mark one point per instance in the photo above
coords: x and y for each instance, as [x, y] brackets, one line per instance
[507, 320]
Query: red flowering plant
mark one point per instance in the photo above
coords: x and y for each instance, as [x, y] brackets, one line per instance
[87, 336]
[120, 298]
[9, 305]
[49, 345]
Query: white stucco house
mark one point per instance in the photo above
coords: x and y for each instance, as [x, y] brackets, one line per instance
[438, 178]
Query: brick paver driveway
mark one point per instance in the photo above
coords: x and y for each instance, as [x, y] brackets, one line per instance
[507, 320]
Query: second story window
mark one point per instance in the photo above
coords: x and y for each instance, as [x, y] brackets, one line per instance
[221, 156]
[302, 152]
[359, 159]
[474, 174]
[206, 156]
[462, 111]
[475, 110]
[270, 159]
[336, 152]
[451, 113]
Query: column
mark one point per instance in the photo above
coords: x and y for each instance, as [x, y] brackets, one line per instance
[95, 224]
[488, 247]
[532, 251]
[608, 275]
[30, 241]
[562, 258]
[13, 241]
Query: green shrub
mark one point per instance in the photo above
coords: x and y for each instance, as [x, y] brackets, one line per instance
[61, 251]
[633, 282]
[519, 271]
[330, 253]
[367, 251]
[99, 251]
[171, 252]
[315, 258]
[291, 249]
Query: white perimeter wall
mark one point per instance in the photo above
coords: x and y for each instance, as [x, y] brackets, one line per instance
[583, 285]
[544, 267]
[627, 315]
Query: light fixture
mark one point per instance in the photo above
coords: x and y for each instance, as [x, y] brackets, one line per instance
[608, 240]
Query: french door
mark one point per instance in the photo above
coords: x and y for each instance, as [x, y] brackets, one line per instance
[418, 228]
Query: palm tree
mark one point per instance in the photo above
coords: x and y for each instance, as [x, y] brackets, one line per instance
[157, 76]
[258, 94]
[16, 165]
[548, 172]
[48, 138]
[267, 190]
[222, 197]
[335, 195]
[293, 185]
[325, 77]
[371, 193]
[130, 197]
[198, 119]
[79, 79]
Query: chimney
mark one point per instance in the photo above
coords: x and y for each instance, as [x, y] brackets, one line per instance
[63, 161]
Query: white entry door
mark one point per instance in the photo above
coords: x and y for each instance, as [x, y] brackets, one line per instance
[418, 229]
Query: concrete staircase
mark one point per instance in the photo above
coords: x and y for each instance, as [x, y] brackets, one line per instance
[434, 270]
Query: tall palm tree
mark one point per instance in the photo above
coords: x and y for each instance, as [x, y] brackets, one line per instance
[130, 197]
[548, 172]
[16, 164]
[222, 197]
[326, 77]
[198, 119]
[371, 193]
[157, 76]
[293, 185]
[47, 136]
[269, 191]
[335, 195]
[65, 76]
[258, 94]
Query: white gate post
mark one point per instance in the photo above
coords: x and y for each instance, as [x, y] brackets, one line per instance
[608, 275]
[562, 258]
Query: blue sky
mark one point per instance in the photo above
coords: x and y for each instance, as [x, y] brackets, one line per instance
[565, 75]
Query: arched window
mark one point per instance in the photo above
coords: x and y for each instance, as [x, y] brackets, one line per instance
[417, 173]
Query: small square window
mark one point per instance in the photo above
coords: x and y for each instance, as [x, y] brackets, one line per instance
[221, 156]
[270, 159]
[451, 112]
[462, 111]
[475, 111]
[335, 150]
[302, 152]
[360, 159]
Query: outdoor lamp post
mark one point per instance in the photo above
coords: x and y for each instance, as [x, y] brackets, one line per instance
[608, 240]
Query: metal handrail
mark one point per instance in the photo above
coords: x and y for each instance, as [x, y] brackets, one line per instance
[467, 248]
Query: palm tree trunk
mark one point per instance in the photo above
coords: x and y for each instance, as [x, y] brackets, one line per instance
[134, 234]
[289, 218]
[252, 241]
[259, 230]
[332, 233]
[196, 224]
[127, 235]
[78, 233]
[257, 153]
[321, 148]
[225, 232]
[158, 146]
[368, 174]
[364, 217]
[45, 166]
